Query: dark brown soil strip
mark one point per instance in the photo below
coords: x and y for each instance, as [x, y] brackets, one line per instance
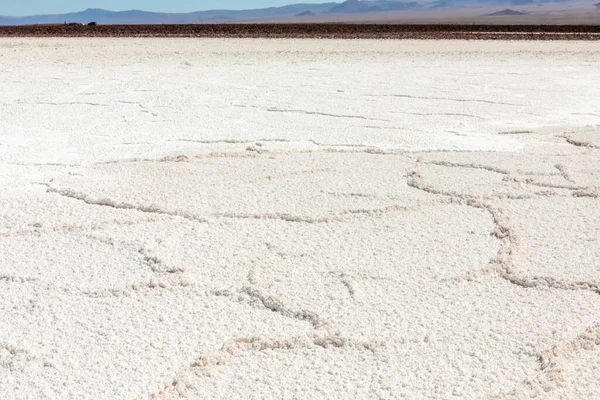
[315, 31]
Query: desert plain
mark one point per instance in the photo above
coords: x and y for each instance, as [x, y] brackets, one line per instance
[291, 219]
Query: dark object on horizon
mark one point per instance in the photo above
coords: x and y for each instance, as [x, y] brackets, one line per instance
[597, 5]
[93, 23]
[508, 11]
[306, 14]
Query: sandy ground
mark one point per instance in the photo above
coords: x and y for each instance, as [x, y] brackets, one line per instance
[206, 219]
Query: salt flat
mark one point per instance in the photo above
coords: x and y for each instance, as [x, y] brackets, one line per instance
[194, 219]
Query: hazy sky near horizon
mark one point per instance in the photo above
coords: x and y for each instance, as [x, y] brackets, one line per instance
[31, 7]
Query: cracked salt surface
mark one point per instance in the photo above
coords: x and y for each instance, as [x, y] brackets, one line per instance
[361, 222]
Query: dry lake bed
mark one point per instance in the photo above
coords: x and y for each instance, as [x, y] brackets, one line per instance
[270, 219]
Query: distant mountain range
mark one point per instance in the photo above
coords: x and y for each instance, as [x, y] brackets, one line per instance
[348, 7]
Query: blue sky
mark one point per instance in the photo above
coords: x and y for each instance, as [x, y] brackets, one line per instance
[30, 7]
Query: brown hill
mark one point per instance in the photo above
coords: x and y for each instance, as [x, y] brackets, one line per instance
[306, 14]
[508, 11]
